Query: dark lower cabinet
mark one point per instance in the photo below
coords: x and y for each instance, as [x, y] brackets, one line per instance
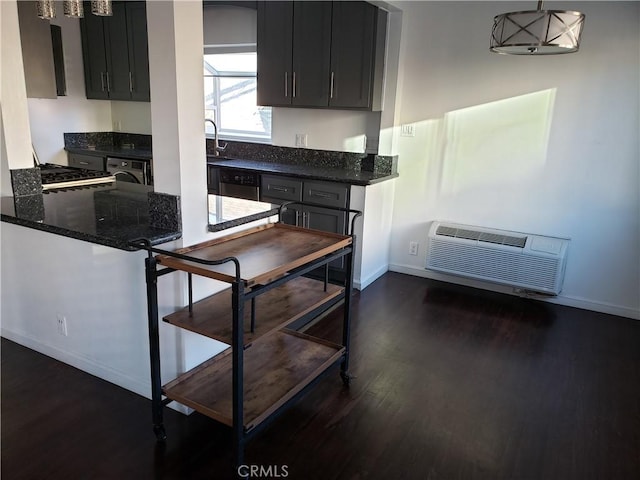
[277, 189]
[321, 54]
[115, 53]
[89, 162]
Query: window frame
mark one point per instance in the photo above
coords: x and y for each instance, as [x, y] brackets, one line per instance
[227, 49]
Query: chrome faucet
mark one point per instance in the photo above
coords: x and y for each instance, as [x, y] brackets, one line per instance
[217, 148]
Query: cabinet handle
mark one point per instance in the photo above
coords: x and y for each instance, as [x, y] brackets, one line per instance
[130, 82]
[286, 89]
[102, 80]
[83, 163]
[298, 218]
[294, 85]
[108, 83]
[320, 194]
[331, 86]
[278, 188]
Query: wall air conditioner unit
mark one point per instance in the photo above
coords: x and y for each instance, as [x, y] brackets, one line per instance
[521, 260]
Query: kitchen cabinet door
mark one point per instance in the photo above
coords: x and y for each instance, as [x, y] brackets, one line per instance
[94, 54]
[311, 53]
[37, 52]
[332, 56]
[138, 51]
[294, 45]
[115, 53]
[118, 53]
[274, 51]
[354, 33]
[326, 220]
[89, 162]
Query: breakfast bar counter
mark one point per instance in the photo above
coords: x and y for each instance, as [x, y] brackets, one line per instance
[111, 215]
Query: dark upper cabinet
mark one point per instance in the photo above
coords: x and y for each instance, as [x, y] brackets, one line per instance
[321, 54]
[94, 55]
[115, 53]
[311, 53]
[358, 34]
[274, 49]
[138, 51]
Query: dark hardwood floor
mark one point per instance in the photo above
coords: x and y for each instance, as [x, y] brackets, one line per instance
[452, 383]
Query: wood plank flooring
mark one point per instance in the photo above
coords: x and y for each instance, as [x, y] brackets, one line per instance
[451, 383]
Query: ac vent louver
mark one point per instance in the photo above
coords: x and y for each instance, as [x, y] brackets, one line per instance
[526, 261]
[499, 239]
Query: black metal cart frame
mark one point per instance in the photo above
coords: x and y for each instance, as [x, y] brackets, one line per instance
[240, 294]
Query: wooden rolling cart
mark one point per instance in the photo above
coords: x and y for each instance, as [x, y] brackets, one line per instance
[267, 365]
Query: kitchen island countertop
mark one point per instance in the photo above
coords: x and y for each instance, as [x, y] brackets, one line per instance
[106, 215]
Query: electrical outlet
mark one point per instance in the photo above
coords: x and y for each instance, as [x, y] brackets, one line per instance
[62, 325]
[301, 140]
[413, 248]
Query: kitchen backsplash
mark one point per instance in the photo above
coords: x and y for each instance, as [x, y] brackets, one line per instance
[103, 139]
[305, 156]
[380, 164]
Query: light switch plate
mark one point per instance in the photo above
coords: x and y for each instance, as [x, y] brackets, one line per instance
[408, 130]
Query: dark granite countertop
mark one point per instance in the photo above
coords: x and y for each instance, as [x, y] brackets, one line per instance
[228, 212]
[107, 215]
[113, 151]
[331, 174]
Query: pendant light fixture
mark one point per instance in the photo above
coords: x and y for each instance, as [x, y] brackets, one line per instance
[73, 8]
[101, 8]
[46, 9]
[537, 32]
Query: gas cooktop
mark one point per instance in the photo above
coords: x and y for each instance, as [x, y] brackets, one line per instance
[58, 177]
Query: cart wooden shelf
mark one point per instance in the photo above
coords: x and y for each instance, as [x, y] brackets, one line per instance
[265, 253]
[274, 371]
[277, 308]
[267, 365]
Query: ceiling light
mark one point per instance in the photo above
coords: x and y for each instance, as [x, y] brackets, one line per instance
[537, 32]
[46, 9]
[101, 8]
[73, 8]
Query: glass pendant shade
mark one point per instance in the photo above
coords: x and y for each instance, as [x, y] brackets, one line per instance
[73, 8]
[101, 8]
[537, 32]
[46, 9]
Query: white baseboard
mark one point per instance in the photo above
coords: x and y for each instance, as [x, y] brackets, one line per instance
[362, 284]
[88, 365]
[565, 300]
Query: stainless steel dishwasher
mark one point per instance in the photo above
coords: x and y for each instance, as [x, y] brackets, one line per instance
[239, 184]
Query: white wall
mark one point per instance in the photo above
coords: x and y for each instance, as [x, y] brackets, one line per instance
[480, 154]
[229, 25]
[16, 137]
[131, 117]
[339, 130]
[99, 290]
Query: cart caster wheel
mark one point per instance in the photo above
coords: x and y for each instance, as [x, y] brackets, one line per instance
[346, 378]
[161, 435]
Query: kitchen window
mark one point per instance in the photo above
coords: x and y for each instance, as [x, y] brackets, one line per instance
[230, 97]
